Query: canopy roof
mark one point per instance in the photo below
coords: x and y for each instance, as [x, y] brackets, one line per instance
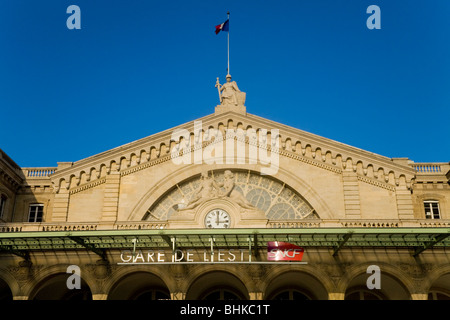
[416, 239]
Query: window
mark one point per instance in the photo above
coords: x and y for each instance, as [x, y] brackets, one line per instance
[432, 209]
[363, 295]
[152, 295]
[438, 295]
[36, 212]
[221, 294]
[2, 205]
[291, 294]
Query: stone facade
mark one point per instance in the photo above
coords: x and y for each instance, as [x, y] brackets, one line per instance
[319, 183]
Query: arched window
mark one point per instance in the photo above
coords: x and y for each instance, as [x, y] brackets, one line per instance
[363, 294]
[221, 294]
[291, 294]
[153, 294]
[438, 295]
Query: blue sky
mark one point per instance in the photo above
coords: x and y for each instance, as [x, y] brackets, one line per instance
[139, 67]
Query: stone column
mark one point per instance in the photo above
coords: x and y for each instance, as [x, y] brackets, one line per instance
[336, 295]
[20, 297]
[178, 295]
[256, 295]
[100, 296]
[419, 296]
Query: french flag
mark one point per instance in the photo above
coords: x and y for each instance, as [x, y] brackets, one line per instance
[222, 27]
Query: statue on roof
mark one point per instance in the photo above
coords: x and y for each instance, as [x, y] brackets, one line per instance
[229, 93]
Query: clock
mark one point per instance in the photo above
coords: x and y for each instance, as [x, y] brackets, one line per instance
[217, 218]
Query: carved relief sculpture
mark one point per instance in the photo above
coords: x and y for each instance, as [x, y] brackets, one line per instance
[230, 191]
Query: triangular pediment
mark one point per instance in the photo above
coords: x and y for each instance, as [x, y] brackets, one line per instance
[293, 143]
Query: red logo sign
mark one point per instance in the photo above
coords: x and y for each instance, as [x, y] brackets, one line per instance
[283, 251]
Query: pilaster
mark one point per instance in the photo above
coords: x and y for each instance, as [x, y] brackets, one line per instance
[61, 206]
[99, 296]
[255, 295]
[178, 296]
[111, 197]
[405, 205]
[336, 296]
[351, 195]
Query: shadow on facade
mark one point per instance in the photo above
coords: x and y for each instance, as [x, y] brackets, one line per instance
[5, 291]
[222, 285]
[440, 288]
[54, 287]
[217, 285]
[295, 285]
[139, 286]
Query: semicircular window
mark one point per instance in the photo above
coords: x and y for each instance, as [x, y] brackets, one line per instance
[276, 199]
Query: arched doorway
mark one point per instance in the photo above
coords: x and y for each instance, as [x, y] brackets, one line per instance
[291, 294]
[391, 288]
[5, 291]
[217, 285]
[54, 287]
[139, 286]
[295, 285]
[440, 289]
[362, 293]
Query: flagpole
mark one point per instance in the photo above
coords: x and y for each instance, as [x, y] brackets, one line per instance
[228, 13]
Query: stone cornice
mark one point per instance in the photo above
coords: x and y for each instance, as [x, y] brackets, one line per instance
[294, 143]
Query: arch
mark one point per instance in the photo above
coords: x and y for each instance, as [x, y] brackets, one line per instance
[83, 177]
[363, 293]
[94, 173]
[395, 284]
[438, 280]
[73, 181]
[216, 280]
[359, 167]
[153, 153]
[139, 285]
[123, 272]
[143, 155]
[8, 285]
[31, 288]
[308, 281]
[5, 291]
[186, 172]
[54, 287]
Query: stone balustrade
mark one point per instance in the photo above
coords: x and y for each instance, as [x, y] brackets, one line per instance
[431, 168]
[38, 173]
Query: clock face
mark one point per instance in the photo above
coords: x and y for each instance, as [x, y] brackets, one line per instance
[217, 218]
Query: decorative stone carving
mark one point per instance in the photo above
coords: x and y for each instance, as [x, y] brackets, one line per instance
[24, 271]
[334, 272]
[210, 189]
[416, 271]
[230, 191]
[248, 191]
